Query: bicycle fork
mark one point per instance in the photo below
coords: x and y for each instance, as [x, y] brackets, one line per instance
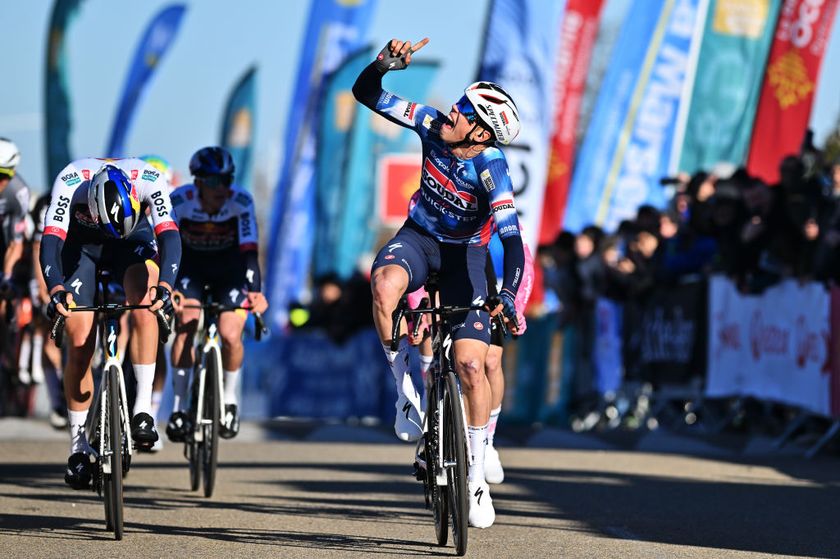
[211, 343]
[106, 391]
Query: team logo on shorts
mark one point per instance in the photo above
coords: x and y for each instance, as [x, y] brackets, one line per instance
[478, 326]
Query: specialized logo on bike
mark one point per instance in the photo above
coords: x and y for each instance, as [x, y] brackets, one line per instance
[446, 189]
[479, 493]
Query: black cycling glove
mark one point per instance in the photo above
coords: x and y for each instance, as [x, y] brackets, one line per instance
[385, 61]
[57, 298]
[165, 296]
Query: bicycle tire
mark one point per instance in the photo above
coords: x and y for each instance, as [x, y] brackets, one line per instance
[455, 449]
[440, 500]
[113, 481]
[211, 413]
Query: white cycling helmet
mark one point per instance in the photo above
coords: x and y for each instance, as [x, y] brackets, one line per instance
[496, 109]
[9, 157]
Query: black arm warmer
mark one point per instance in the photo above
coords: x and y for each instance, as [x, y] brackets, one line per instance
[169, 243]
[51, 246]
[252, 271]
[514, 262]
[368, 86]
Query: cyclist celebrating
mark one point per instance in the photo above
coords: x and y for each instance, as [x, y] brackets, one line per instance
[96, 219]
[14, 206]
[465, 187]
[219, 234]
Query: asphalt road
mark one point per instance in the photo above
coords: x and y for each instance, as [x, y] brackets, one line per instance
[285, 495]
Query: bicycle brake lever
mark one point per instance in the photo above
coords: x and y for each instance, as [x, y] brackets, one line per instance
[164, 327]
[57, 331]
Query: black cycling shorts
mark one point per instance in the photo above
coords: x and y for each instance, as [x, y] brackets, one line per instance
[460, 271]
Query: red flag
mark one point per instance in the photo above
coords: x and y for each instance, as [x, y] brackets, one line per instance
[578, 34]
[790, 79]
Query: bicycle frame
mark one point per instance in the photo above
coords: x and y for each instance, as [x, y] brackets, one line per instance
[210, 335]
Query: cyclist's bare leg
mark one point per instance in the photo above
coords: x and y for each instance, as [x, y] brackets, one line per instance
[469, 358]
[183, 358]
[495, 376]
[387, 284]
[231, 325]
[78, 379]
[469, 364]
[143, 344]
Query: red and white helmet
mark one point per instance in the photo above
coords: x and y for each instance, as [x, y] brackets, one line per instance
[496, 109]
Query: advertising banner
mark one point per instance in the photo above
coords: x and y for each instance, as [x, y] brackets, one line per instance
[773, 346]
[238, 126]
[790, 83]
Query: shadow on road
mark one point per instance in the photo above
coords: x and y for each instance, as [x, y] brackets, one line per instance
[798, 517]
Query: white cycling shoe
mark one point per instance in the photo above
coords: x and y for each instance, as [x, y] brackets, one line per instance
[493, 471]
[482, 513]
[408, 425]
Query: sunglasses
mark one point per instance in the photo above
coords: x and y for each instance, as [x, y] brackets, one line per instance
[212, 181]
[466, 108]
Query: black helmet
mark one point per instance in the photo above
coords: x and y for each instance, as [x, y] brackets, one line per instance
[212, 161]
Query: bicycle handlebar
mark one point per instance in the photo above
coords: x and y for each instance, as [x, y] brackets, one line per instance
[57, 329]
[260, 329]
[403, 310]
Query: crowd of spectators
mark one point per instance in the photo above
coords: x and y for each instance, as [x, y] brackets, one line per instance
[719, 222]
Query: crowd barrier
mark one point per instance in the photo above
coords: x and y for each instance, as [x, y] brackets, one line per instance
[698, 339]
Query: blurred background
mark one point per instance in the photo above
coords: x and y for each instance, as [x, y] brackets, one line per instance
[677, 178]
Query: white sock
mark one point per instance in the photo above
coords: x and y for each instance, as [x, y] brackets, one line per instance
[478, 443]
[491, 427]
[157, 397]
[25, 353]
[425, 363]
[398, 360]
[78, 440]
[145, 375]
[38, 354]
[180, 385]
[231, 380]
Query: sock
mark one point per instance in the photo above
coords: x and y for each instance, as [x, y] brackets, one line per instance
[425, 363]
[38, 353]
[491, 427]
[78, 440]
[25, 353]
[180, 385]
[145, 375]
[478, 443]
[157, 397]
[231, 380]
[398, 360]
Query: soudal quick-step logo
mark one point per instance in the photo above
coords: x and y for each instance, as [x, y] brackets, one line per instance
[502, 205]
[444, 188]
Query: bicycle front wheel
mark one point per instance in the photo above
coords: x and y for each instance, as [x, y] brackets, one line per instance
[455, 454]
[114, 481]
[212, 418]
[193, 449]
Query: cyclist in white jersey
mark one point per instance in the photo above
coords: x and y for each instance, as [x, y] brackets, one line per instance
[96, 220]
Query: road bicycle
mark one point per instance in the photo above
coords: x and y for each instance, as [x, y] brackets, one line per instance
[207, 402]
[442, 453]
[108, 424]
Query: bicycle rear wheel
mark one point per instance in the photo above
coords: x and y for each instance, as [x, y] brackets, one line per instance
[113, 481]
[211, 417]
[455, 453]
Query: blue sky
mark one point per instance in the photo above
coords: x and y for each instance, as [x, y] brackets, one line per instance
[182, 109]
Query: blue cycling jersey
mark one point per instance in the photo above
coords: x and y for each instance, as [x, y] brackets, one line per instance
[459, 198]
